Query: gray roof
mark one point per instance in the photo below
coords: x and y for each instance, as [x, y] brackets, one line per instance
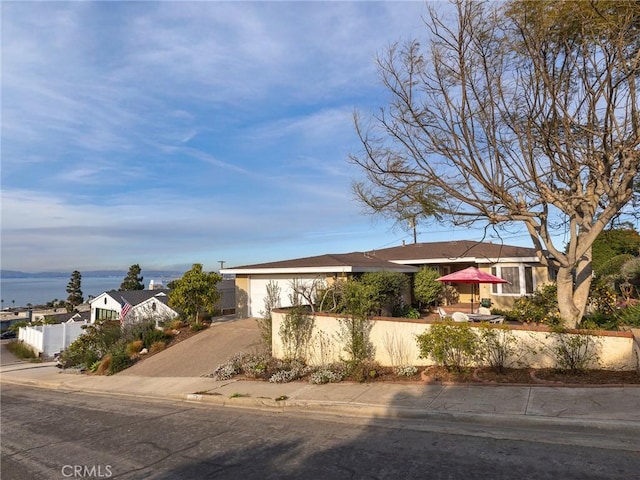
[63, 317]
[454, 250]
[396, 258]
[354, 261]
[135, 297]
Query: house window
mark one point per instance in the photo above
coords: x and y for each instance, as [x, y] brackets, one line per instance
[520, 280]
[528, 280]
[104, 314]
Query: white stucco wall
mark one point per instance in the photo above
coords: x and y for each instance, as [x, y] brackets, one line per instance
[395, 344]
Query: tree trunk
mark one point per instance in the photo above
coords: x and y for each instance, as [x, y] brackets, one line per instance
[573, 293]
[569, 313]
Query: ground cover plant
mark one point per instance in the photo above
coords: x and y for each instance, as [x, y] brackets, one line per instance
[109, 347]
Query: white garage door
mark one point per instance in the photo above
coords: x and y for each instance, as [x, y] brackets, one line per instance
[258, 290]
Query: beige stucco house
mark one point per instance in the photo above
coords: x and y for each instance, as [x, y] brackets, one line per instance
[518, 265]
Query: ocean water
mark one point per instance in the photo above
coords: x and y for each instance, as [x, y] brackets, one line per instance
[18, 292]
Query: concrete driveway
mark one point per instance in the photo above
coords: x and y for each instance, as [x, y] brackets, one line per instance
[201, 354]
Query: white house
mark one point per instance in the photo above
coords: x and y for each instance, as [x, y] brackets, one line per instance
[143, 304]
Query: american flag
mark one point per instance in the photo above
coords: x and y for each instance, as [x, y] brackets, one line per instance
[124, 310]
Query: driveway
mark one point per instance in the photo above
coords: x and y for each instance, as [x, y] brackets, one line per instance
[201, 354]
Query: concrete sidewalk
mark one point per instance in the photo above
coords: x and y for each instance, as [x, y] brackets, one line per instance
[608, 408]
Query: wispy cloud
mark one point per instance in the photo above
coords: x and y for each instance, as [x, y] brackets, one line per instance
[177, 132]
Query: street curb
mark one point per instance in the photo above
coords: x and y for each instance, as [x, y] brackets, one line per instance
[381, 412]
[357, 410]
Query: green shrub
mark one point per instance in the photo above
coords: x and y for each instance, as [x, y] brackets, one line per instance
[629, 316]
[509, 315]
[541, 307]
[573, 352]
[362, 371]
[451, 345]
[388, 288]
[410, 312]
[496, 345]
[15, 327]
[599, 321]
[196, 327]
[120, 360]
[145, 332]
[426, 289]
[95, 342]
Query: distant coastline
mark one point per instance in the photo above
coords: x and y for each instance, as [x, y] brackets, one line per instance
[88, 274]
[41, 288]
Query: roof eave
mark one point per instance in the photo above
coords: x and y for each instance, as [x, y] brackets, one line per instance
[304, 270]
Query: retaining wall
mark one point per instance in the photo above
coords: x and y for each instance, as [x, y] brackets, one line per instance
[394, 340]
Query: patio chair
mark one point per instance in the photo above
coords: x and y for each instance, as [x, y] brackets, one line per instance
[442, 313]
[460, 317]
[484, 311]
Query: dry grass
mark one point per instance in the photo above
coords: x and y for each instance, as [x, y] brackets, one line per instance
[157, 347]
[103, 368]
[133, 348]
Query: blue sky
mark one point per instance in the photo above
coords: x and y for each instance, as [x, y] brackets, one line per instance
[170, 133]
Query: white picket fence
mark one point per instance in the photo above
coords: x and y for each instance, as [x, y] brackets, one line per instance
[48, 340]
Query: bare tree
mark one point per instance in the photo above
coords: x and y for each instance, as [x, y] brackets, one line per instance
[517, 112]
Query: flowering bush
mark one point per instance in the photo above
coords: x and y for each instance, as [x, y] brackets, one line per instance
[329, 374]
[541, 307]
[289, 371]
[405, 370]
[225, 371]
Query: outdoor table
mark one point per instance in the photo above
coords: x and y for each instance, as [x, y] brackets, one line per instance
[476, 317]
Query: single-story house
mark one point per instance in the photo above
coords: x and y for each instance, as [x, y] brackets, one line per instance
[144, 304]
[518, 265]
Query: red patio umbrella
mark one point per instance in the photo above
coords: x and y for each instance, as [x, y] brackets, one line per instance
[471, 275]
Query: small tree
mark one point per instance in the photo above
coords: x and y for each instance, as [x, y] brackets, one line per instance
[195, 293]
[295, 333]
[271, 301]
[74, 289]
[426, 289]
[359, 301]
[517, 112]
[133, 280]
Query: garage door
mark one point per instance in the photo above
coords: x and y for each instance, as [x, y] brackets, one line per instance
[258, 290]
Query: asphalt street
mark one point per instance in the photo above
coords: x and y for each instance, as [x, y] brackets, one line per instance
[48, 435]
